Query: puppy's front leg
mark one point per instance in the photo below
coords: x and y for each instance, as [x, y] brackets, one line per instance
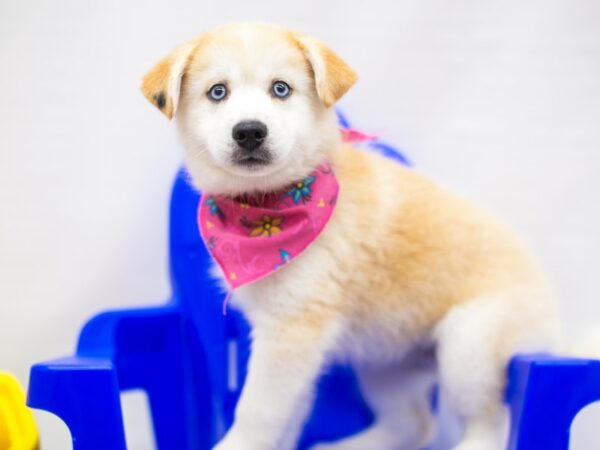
[286, 359]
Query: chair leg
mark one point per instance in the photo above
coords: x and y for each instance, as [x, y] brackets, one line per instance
[84, 393]
[176, 382]
[545, 394]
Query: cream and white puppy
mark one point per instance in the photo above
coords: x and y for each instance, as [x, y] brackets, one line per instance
[403, 272]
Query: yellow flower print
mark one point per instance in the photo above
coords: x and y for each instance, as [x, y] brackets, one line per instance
[267, 226]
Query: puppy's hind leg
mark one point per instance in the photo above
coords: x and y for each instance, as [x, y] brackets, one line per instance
[475, 342]
[400, 397]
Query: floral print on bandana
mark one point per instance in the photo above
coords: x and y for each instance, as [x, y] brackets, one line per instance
[267, 226]
[301, 191]
[213, 207]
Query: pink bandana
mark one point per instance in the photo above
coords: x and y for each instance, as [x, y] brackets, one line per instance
[251, 238]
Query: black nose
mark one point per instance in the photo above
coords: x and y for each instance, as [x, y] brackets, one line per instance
[249, 134]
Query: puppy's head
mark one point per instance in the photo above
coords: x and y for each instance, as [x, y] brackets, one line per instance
[253, 105]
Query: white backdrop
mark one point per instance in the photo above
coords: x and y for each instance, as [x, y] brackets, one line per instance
[498, 100]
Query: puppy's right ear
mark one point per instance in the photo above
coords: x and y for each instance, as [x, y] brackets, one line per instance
[162, 84]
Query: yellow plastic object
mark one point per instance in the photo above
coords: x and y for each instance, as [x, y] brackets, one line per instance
[17, 426]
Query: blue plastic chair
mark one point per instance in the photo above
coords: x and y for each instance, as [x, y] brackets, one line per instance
[191, 361]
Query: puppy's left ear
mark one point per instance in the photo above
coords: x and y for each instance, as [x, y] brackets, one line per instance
[333, 76]
[163, 83]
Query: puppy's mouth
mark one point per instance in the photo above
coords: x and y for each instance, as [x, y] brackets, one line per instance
[254, 160]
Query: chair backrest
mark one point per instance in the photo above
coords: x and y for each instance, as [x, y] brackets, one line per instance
[339, 409]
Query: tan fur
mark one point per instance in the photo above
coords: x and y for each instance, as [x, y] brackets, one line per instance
[162, 83]
[333, 77]
[415, 245]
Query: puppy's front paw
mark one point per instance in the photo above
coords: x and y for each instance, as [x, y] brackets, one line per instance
[478, 444]
[230, 442]
[237, 441]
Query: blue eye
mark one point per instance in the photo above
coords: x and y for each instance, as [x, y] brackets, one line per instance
[218, 92]
[281, 89]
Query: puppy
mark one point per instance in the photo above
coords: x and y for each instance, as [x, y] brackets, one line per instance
[402, 272]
